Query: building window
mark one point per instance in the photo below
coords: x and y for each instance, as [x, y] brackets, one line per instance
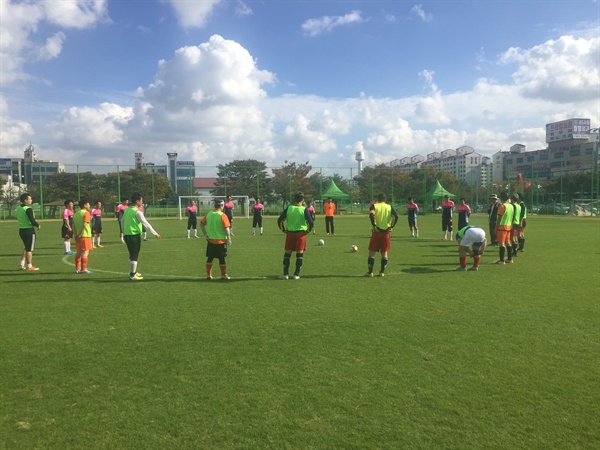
[544, 157]
[519, 160]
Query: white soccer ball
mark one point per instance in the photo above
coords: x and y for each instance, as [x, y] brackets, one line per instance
[354, 248]
[321, 242]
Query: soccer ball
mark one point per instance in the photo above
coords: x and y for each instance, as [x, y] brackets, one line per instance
[321, 242]
[354, 248]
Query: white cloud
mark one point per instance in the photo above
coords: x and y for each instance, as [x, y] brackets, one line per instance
[562, 70]
[418, 11]
[242, 9]
[93, 127]
[52, 48]
[13, 132]
[314, 27]
[19, 23]
[193, 14]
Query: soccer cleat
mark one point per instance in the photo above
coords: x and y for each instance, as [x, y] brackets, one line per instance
[68, 253]
[77, 271]
[22, 266]
[499, 262]
[284, 277]
[296, 277]
[136, 277]
[100, 246]
[225, 277]
[187, 237]
[460, 269]
[209, 277]
[85, 272]
[381, 274]
[369, 274]
[474, 269]
[197, 237]
[444, 239]
[94, 246]
[32, 268]
[509, 261]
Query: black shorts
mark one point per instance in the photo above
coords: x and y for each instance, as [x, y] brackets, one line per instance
[192, 223]
[97, 230]
[257, 221]
[412, 222]
[28, 238]
[134, 245]
[447, 224]
[216, 250]
[65, 233]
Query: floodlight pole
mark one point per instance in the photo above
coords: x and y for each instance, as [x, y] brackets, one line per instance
[595, 131]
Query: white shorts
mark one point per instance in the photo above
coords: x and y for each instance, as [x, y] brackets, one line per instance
[473, 236]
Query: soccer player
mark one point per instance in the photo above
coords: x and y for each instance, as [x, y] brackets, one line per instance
[133, 219]
[464, 212]
[299, 223]
[83, 236]
[311, 209]
[447, 210]
[192, 214]
[504, 229]
[329, 208]
[516, 228]
[228, 208]
[119, 214]
[471, 241]
[523, 225]
[383, 218]
[66, 230]
[413, 212]
[97, 225]
[492, 217]
[258, 210]
[216, 228]
[27, 226]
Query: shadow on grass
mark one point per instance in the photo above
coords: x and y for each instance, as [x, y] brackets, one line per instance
[424, 270]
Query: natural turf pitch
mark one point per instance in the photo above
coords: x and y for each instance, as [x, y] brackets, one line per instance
[504, 358]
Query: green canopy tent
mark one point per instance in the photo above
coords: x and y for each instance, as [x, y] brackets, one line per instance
[334, 192]
[437, 192]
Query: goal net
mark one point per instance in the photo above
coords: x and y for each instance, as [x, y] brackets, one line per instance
[206, 203]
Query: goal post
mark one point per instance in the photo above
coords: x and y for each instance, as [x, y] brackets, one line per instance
[206, 203]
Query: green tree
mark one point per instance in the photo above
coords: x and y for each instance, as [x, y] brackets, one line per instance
[290, 178]
[242, 177]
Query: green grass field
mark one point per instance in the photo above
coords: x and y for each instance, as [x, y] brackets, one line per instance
[504, 358]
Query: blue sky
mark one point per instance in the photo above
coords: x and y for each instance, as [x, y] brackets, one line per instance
[93, 81]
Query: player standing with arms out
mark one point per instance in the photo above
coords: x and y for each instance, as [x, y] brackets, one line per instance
[413, 212]
[228, 208]
[66, 230]
[83, 236]
[504, 229]
[97, 225]
[471, 241]
[492, 217]
[447, 210]
[133, 220]
[299, 223]
[383, 218]
[216, 228]
[311, 209]
[119, 214]
[27, 226]
[329, 208]
[257, 216]
[464, 212]
[523, 225]
[192, 214]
